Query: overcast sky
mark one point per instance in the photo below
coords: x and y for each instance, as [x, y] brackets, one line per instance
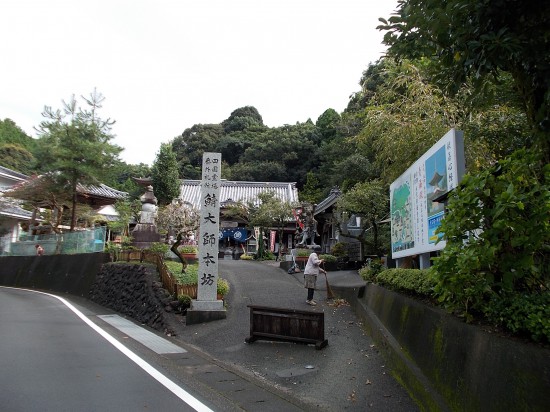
[165, 65]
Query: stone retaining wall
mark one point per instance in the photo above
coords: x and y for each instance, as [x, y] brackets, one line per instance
[447, 364]
[135, 291]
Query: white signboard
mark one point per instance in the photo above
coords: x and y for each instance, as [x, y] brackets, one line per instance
[414, 215]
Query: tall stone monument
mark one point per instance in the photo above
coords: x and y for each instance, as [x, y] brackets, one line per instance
[145, 232]
[207, 307]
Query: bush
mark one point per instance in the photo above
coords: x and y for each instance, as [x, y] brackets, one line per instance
[497, 231]
[418, 281]
[185, 301]
[303, 252]
[191, 276]
[328, 258]
[222, 287]
[188, 249]
[339, 250]
[371, 270]
[523, 314]
[160, 248]
[415, 281]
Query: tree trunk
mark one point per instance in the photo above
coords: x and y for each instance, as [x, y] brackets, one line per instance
[73, 214]
[174, 248]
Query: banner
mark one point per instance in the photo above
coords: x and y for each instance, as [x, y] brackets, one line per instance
[272, 240]
[238, 234]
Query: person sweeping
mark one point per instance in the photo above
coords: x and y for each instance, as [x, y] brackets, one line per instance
[312, 270]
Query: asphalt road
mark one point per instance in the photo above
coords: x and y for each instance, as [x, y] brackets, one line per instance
[55, 360]
[349, 374]
[52, 360]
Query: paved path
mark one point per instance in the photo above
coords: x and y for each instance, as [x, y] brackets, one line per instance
[349, 374]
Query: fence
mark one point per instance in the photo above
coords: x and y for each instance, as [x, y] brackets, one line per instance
[83, 241]
[168, 281]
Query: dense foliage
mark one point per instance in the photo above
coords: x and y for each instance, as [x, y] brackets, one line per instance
[75, 145]
[164, 173]
[471, 40]
[498, 235]
[479, 66]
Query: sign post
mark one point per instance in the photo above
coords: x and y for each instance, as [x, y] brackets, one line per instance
[207, 307]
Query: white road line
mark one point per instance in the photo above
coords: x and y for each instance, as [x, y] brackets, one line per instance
[143, 336]
[163, 380]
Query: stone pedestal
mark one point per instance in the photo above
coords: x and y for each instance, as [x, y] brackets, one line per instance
[144, 234]
[205, 311]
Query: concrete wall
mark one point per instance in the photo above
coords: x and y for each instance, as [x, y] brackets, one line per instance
[449, 365]
[72, 274]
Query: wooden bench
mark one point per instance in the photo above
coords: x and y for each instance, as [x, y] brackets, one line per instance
[289, 325]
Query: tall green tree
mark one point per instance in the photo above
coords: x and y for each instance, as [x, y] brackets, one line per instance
[370, 201]
[472, 39]
[271, 212]
[74, 145]
[164, 173]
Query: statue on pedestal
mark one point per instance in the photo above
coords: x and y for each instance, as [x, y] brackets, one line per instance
[146, 231]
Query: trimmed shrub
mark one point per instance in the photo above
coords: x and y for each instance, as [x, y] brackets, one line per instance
[414, 281]
[328, 258]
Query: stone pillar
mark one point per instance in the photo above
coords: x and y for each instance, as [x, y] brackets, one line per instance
[425, 262]
[207, 307]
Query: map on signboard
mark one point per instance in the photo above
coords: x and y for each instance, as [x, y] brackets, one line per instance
[401, 217]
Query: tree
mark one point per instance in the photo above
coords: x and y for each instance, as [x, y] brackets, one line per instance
[44, 197]
[183, 221]
[16, 157]
[271, 212]
[74, 145]
[327, 124]
[311, 192]
[16, 148]
[295, 149]
[469, 39]
[164, 173]
[190, 146]
[497, 233]
[243, 118]
[127, 211]
[121, 175]
[369, 201]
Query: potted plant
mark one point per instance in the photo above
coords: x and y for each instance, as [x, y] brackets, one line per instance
[189, 252]
[302, 255]
[330, 261]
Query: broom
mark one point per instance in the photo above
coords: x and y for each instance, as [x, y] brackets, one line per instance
[330, 293]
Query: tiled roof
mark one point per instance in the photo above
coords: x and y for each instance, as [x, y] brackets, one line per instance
[327, 202]
[13, 174]
[10, 207]
[239, 191]
[101, 191]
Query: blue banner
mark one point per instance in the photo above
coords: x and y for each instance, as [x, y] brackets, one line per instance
[238, 234]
